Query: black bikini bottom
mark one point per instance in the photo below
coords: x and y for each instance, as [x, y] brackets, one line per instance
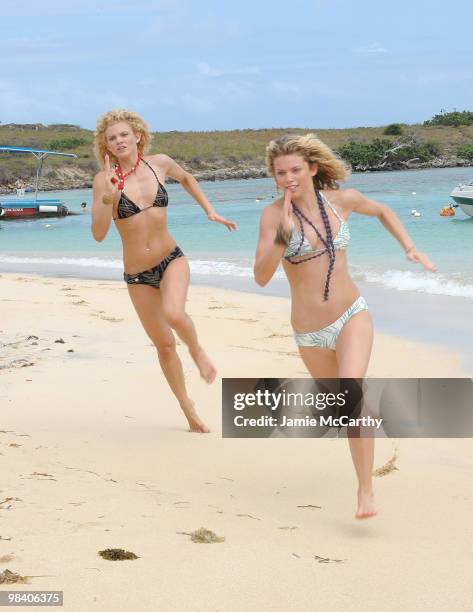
[153, 276]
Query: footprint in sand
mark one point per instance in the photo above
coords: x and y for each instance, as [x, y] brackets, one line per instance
[279, 336]
[222, 307]
[107, 317]
[328, 560]
[255, 518]
[17, 363]
[79, 526]
[6, 504]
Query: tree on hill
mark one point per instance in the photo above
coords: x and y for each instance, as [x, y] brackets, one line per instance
[453, 119]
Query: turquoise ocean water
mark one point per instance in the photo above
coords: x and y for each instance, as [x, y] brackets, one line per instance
[64, 246]
[404, 300]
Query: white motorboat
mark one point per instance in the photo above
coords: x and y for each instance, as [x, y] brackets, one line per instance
[463, 196]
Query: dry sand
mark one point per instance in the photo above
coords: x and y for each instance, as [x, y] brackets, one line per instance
[94, 454]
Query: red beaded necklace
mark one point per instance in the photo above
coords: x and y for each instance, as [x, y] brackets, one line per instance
[121, 176]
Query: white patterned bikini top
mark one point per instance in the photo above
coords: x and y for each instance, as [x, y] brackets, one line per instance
[299, 245]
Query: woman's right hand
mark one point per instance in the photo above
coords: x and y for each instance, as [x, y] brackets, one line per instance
[111, 181]
[287, 223]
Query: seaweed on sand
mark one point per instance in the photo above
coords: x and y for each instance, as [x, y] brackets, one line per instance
[9, 577]
[388, 467]
[117, 554]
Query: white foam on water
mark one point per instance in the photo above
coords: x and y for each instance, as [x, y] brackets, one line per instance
[423, 282]
[399, 280]
[197, 266]
[224, 268]
[86, 262]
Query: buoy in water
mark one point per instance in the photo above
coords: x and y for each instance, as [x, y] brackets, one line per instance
[414, 193]
[447, 211]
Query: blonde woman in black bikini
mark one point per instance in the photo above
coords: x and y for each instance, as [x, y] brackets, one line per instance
[305, 228]
[130, 190]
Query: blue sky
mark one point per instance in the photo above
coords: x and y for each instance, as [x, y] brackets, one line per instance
[214, 65]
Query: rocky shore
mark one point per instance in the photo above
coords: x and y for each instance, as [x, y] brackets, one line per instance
[67, 177]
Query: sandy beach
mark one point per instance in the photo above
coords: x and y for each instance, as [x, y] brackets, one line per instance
[95, 455]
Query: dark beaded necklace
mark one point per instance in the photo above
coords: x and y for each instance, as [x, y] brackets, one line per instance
[329, 247]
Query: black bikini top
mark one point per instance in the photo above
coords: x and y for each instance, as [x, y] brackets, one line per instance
[127, 208]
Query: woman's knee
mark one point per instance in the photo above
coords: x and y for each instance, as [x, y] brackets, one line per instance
[166, 348]
[175, 318]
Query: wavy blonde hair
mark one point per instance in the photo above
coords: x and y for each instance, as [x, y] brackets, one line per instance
[137, 124]
[330, 167]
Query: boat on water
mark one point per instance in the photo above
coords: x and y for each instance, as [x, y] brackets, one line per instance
[462, 195]
[23, 207]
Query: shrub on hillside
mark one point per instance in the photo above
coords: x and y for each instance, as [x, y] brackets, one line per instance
[453, 119]
[364, 154]
[379, 151]
[394, 129]
[66, 143]
[465, 151]
[63, 126]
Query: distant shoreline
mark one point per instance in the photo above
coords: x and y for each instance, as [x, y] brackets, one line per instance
[83, 180]
[232, 154]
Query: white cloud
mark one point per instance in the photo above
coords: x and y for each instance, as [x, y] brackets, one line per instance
[238, 92]
[375, 47]
[46, 59]
[285, 88]
[31, 44]
[147, 82]
[59, 101]
[207, 70]
[180, 28]
[58, 8]
[198, 104]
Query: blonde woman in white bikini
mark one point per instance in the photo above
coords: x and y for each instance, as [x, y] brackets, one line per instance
[307, 230]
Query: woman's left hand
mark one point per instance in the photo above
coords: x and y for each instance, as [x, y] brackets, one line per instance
[418, 257]
[230, 225]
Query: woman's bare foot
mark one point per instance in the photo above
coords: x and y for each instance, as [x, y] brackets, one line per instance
[195, 424]
[366, 508]
[206, 368]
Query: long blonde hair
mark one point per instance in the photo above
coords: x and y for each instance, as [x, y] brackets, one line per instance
[330, 167]
[137, 124]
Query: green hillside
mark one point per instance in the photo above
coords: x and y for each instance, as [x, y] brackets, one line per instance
[207, 151]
